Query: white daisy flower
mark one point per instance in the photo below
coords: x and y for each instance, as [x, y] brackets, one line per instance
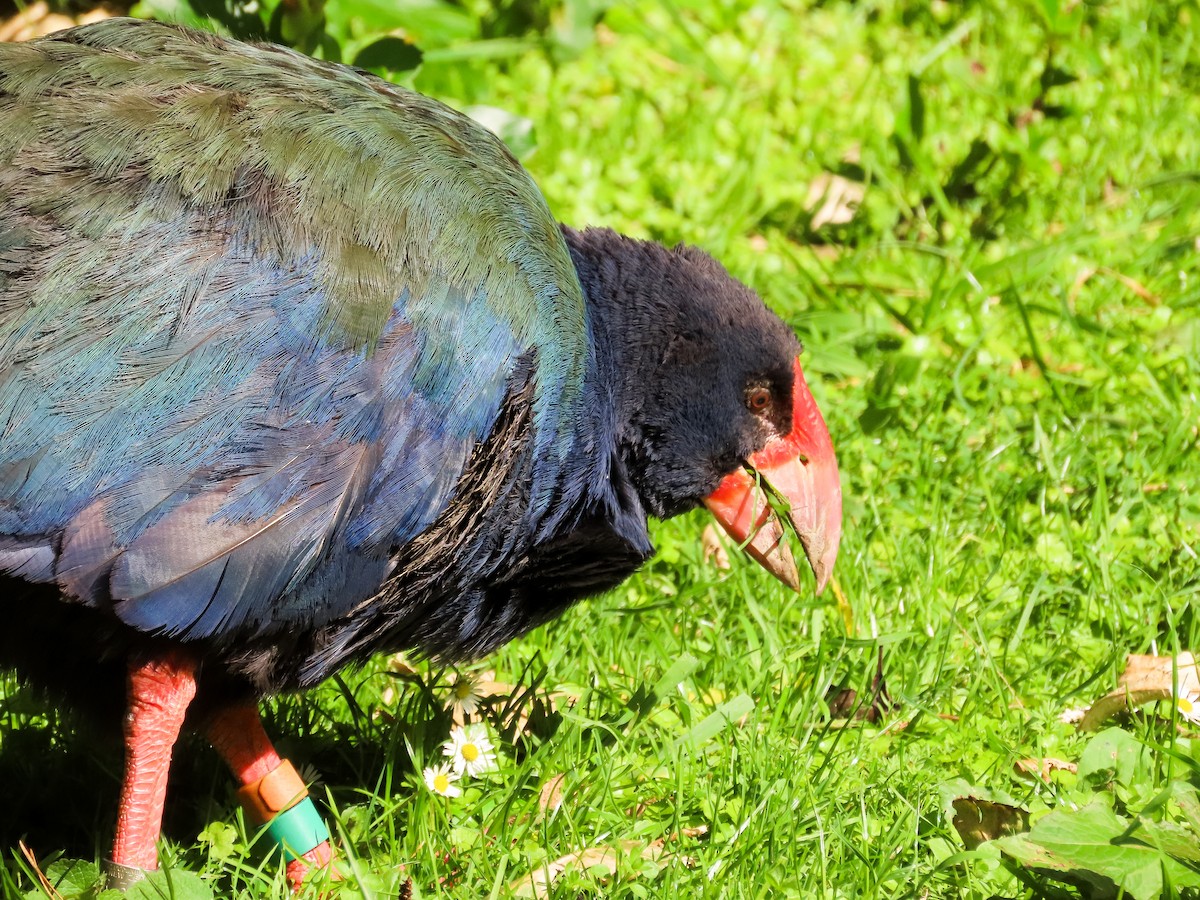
[1189, 708]
[464, 696]
[440, 780]
[470, 749]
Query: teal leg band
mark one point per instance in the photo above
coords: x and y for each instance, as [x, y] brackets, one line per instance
[298, 830]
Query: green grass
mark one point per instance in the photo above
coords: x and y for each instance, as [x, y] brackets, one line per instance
[1006, 342]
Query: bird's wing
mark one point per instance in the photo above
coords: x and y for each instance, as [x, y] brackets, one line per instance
[255, 312]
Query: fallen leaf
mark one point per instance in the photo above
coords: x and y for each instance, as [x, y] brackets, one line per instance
[977, 820]
[1145, 680]
[714, 548]
[1082, 277]
[1043, 767]
[1136, 286]
[398, 664]
[519, 711]
[844, 703]
[833, 200]
[551, 797]
[1085, 275]
[42, 879]
[539, 882]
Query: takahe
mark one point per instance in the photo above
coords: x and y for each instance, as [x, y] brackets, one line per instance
[296, 367]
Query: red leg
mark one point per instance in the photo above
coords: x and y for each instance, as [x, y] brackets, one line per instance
[238, 735]
[159, 693]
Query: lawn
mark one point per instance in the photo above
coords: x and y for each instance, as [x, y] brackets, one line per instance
[981, 218]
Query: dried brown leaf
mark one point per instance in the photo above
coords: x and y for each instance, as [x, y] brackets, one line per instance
[844, 703]
[539, 882]
[398, 664]
[1136, 286]
[1145, 680]
[1081, 278]
[977, 820]
[551, 796]
[47, 887]
[1043, 767]
[833, 200]
[714, 548]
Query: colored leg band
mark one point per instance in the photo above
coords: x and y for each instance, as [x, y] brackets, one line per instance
[119, 877]
[280, 789]
[298, 830]
[280, 801]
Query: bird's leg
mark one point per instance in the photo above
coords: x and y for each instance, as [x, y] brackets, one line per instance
[159, 692]
[272, 793]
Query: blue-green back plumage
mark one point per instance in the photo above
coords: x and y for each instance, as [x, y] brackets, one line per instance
[256, 312]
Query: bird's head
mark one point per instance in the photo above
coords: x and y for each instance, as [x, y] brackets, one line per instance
[712, 403]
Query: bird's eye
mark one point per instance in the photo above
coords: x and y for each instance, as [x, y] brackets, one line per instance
[758, 399]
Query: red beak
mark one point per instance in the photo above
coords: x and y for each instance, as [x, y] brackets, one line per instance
[802, 469]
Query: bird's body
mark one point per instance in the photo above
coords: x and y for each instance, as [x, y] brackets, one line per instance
[228, 413]
[296, 366]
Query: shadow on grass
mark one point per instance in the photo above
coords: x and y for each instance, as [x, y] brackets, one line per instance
[60, 782]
